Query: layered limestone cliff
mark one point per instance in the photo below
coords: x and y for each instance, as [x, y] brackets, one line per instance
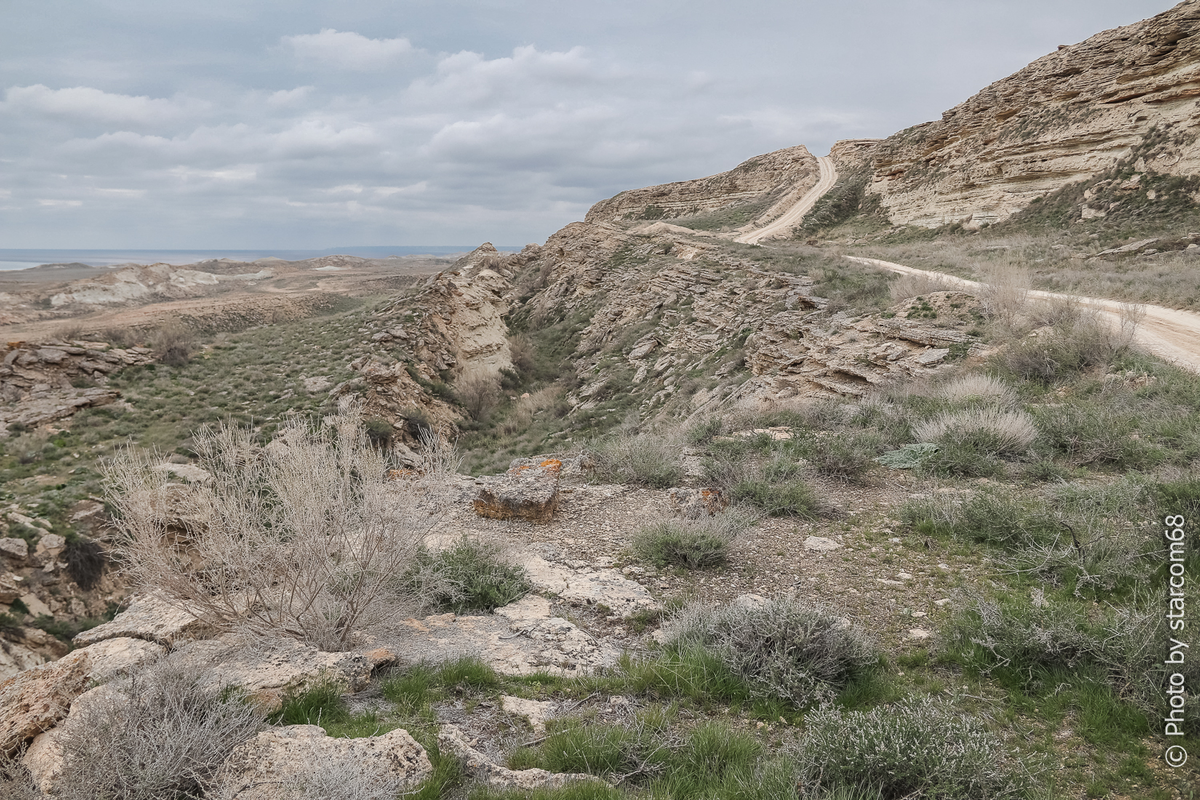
[765, 186]
[1066, 117]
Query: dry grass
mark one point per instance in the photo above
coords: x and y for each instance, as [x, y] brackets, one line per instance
[1000, 432]
[906, 286]
[979, 388]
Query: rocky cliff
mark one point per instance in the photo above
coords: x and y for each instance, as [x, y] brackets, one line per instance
[1066, 117]
[760, 188]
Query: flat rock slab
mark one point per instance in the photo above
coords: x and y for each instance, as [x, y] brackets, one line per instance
[301, 761]
[265, 669]
[535, 712]
[148, 617]
[820, 544]
[519, 639]
[35, 700]
[524, 492]
[589, 586]
[480, 767]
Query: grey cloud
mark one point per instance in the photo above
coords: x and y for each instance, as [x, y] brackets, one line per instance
[348, 50]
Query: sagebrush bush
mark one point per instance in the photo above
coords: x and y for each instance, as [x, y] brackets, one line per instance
[782, 649]
[992, 431]
[787, 499]
[642, 459]
[1123, 644]
[470, 575]
[691, 543]
[915, 748]
[162, 732]
[310, 527]
[979, 388]
[847, 457]
[1067, 349]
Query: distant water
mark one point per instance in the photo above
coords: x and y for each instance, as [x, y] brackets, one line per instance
[24, 259]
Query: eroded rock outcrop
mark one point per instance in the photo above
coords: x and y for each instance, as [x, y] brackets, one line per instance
[1068, 116]
[524, 492]
[42, 382]
[765, 185]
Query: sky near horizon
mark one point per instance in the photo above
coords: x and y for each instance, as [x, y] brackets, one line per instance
[301, 124]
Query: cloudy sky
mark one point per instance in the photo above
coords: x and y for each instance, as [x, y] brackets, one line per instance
[302, 124]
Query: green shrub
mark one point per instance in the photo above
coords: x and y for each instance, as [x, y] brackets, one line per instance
[468, 576]
[916, 748]
[1095, 433]
[998, 517]
[641, 459]
[846, 456]
[1073, 346]
[379, 432]
[694, 544]
[791, 499]
[782, 649]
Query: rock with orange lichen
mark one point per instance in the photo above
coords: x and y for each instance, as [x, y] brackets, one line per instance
[528, 492]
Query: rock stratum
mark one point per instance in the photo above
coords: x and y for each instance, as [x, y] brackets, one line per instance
[765, 186]
[1128, 93]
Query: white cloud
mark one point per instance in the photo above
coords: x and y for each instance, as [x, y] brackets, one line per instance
[60, 203]
[289, 97]
[86, 103]
[348, 50]
[467, 78]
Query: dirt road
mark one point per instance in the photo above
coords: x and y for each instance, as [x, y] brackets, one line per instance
[1168, 333]
[792, 217]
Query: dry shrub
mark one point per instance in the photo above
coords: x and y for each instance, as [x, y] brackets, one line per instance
[478, 392]
[906, 286]
[526, 410]
[304, 538]
[642, 459]
[173, 343]
[1081, 340]
[989, 429]
[979, 388]
[163, 732]
[1005, 291]
[523, 354]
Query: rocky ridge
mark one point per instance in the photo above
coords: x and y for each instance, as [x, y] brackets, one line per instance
[43, 382]
[768, 184]
[1066, 117]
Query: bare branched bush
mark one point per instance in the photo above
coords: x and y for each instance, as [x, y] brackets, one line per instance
[526, 410]
[1005, 291]
[305, 537]
[524, 355]
[906, 286]
[478, 392]
[163, 732]
[173, 343]
[992, 430]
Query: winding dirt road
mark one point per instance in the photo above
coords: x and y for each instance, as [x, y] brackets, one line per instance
[1168, 333]
[783, 226]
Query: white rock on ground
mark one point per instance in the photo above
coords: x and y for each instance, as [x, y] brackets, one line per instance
[519, 639]
[535, 712]
[480, 767]
[300, 761]
[266, 668]
[589, 586]
[148, 617]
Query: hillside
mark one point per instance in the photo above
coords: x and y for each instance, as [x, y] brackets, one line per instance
[642, 511]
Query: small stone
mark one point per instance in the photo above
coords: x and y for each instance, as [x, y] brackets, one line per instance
[920, 634]
[904, 576]
[943, 602]
[14, 547]
[919, 614]
[821, 544]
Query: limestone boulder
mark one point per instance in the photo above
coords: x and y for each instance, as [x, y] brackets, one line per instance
[13, 548]
[36, 699]
[266, 669]
[524, 492]
[589, 586]
[149, 617]
[301, 761]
